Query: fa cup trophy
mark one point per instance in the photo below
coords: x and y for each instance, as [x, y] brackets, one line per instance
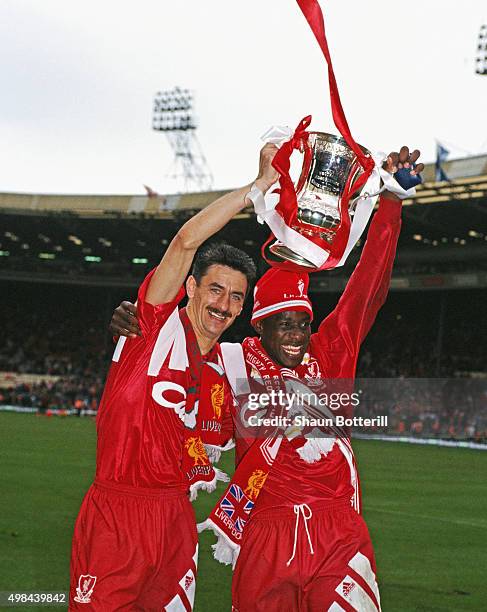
[316, 223]
[329, 166]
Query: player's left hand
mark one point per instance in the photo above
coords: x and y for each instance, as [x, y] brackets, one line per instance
[267, 174]
[124, 321]
[404, 159]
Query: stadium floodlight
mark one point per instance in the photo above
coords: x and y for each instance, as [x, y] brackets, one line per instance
[481, 59]
[173, 114]
[75, 240]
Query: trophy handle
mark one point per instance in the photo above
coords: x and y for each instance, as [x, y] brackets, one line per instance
[344, 211]
[308, 158]
[355, 172]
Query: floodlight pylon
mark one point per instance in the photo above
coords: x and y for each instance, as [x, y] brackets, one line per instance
[481, 58]
[174, 115]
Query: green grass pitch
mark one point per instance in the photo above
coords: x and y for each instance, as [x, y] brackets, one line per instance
[425, 507]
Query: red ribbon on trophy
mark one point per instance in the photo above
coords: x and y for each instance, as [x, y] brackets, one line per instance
[332, 242]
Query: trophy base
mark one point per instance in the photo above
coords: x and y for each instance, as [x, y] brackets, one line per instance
[284, 253]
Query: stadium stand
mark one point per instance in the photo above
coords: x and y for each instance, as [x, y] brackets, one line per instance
[67, 261]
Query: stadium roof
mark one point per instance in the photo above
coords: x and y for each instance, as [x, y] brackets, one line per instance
[114, 240]
[468, 180]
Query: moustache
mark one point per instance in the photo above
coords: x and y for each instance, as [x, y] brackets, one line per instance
[221, 313]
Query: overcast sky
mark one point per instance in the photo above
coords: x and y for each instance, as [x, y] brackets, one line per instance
[78, 81]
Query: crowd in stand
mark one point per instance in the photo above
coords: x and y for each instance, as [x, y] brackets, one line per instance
[57, 332]
[448, 408]
[415, 337]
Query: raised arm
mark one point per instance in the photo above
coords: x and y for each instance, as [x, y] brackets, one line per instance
[368, 286]
[177, 260]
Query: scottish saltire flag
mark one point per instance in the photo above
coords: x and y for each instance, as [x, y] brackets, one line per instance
[441, 156]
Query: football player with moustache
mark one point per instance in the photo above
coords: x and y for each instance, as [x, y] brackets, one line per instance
[135, 541]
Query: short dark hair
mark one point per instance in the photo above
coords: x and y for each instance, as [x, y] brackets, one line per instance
[223, 254]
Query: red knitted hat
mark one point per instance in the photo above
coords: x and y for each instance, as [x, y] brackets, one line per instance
[279, 290]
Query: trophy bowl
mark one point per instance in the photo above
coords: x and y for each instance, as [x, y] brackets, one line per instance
[329, 164]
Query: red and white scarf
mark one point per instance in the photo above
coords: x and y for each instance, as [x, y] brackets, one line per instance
[229, 517]
[207, 397]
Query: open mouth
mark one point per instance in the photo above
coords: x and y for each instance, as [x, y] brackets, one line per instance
[291, 351]
[218, 316]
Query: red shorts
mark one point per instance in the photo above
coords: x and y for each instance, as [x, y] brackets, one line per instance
[133, 549]
[332, 568]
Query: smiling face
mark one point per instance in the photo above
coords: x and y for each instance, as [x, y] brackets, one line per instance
[216, 301]
[285, 336]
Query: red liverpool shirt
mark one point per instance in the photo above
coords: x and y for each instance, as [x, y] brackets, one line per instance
[336, 347]
[140, 419]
